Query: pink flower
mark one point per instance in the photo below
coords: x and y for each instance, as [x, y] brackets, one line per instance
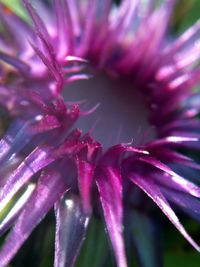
[140, 115]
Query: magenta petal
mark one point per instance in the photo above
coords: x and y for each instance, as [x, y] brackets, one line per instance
[49, 189]
[153, 191]
[110, 189]
[71, 225]
[85, 178]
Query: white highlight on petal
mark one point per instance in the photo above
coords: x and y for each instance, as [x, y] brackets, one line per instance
[69, 203]
[181, 139]
[179, 181]
[169, 211]
[178, 81]
[74, 58]
[87, 221]
[38, 117]
[20, 202]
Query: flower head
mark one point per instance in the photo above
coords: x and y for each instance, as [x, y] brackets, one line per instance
[57, 147]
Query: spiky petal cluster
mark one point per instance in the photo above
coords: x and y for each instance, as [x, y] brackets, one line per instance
[70, 168]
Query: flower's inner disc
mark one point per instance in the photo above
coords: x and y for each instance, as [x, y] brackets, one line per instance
[121, 116]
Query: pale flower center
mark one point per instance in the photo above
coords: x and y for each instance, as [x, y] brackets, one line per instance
[121, 116]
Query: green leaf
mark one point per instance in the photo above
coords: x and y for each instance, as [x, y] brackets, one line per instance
[185, 14]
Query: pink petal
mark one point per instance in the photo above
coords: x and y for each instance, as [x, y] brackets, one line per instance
[85, 179]
[110, 190]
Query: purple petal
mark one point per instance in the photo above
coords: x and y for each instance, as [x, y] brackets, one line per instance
[50, 188]
[36, 161]
[110, 189]
[178, 183]
[173, 179]
[39, 24]
[153, 191]
[47, 63]
[49, 59]
[88, 27]
[11, 22]
[17, 63]
[85, 179]
[186, 202]
[16, 209]
[14, 140]
[168, 155]
[71, 225]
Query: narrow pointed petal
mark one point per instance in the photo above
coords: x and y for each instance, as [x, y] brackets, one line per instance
[49, 189]
[14, 140]
[110, 189]
[85, 178]
[54, 71]
[17, 63]
[173, 179]
[16, 209]
[11, 21]
[71, 226]
[178, 183]
[39, 24]
[186, 202]
[153, 191]
[89, 26]
[38, 159]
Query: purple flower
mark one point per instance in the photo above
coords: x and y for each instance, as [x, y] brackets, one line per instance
[102, 102]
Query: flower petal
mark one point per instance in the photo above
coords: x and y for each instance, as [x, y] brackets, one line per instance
[16, 209]
[85, 178]
[153, 191]
[173, 179]
[71, 225]
[186, 202]
[37, 160]
[50, 188]
[15, 62]
[110, 189]
[14, 140]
